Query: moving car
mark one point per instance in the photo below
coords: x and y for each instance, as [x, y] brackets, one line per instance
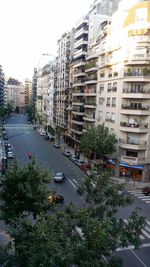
[146, 190]
[56, 199]
[59, 177]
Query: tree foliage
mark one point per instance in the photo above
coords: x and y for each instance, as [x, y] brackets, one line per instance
[98, 141]
[23, 189]
[68, 237]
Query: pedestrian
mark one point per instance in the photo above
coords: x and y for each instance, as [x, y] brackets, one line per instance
[30, 155]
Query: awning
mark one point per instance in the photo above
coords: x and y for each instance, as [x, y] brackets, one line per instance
[124, 164]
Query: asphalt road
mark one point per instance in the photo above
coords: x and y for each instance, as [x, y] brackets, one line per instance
[25, 139]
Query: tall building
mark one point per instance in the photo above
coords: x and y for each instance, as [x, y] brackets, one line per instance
[15, 94]
[123, 95]
[2, 85]
[28, 93]
[105, 7]
[78, 82]
[62, 82]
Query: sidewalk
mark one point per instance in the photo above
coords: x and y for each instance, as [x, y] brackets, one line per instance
[129, 183]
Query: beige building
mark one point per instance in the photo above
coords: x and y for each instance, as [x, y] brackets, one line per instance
[28, 93]
[123, 95]
[15, 94]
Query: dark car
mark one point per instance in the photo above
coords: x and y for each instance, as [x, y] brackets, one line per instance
[146, 190]
[79, 162]
[73, 158]
[56, 145]
[59, 177]
[46, 137]
[56, 199]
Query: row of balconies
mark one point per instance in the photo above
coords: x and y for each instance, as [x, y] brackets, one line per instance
[136, 91]
[132, 142]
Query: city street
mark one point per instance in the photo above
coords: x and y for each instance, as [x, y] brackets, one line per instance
[25, 139]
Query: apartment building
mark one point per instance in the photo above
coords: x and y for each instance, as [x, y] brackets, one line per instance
[78, 83]
[45, 94]
[2, 85]
[62, 82]
[28, 93]
[104, 7]
[123, 95]
[15, 94]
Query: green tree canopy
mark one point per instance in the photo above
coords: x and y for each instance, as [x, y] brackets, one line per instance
[24, 189]
[73, 236]
[98, 141]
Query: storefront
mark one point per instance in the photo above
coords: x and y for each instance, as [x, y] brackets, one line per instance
[126, 170]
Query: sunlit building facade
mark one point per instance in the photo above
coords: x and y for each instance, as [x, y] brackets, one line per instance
[15, 94]
[123, 100]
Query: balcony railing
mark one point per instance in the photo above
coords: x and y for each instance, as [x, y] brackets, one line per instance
[90, 103]
[135, 125]
[90, 90]
[132, 142]
[136, 91]
[124, 106]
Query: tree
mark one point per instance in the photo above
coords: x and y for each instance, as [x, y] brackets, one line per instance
[98, 141]
[81, 237]
[102, 230]
[24, 189]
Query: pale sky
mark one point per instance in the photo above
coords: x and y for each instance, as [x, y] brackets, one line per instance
[30, 28]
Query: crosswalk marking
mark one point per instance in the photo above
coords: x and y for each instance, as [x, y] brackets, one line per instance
[139, 194]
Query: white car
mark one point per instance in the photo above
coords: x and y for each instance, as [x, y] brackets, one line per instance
[10, 155]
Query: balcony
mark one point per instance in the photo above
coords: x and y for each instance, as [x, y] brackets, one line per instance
[135, 109]
[78, 73]
[80, 43]
[78, 63]
[133, 160]
[80, 132]
[90, 104]
[90, 91]
[136, 93]
[91, 67]
[80, 53]
[133, 142]
[137, 75]
[134, 127]
[78, 82]
[77, 121]
[82, 31]
[91, 79]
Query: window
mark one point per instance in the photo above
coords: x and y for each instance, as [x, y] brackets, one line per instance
[102, 73]
[101, 88]
[109, 87]
[114, 101]
[108, 101]
[100, 114]
[101, 100]
[107, 115]
[113, 117]
[114, 88]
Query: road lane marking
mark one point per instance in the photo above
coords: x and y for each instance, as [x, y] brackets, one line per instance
[132, 247]
[145, 233]
[138, 258]
[72, 183]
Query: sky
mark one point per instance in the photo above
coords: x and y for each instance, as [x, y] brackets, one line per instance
[30, 28]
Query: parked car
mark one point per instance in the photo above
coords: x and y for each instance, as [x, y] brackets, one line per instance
[79, 162]
[66, 153]
[56, 145]
[146, 190]
[59, 177]
[56, 199]
[73, 158]
[46, 137]
[10, 155]
[85, 167]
